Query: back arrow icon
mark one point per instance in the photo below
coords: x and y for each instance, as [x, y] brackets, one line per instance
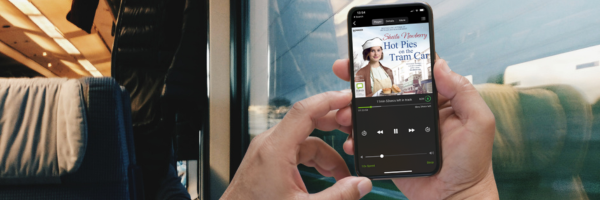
[354, 23]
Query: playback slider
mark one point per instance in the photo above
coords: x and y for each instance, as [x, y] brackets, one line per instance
[398, 172]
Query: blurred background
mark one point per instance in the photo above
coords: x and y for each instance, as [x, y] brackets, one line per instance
[536, 64]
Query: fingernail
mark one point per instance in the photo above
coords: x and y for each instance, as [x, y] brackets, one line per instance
[347, 91]
[446, 68]
[364, 187]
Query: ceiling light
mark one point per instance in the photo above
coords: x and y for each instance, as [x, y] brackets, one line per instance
[87, 65]
[44, 53]
[75, 67]
[96, 73]
[66, 45]
[46, 26]
[49, 64]
[26, 7]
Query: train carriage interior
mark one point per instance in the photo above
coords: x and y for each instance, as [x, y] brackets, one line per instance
[160, 99]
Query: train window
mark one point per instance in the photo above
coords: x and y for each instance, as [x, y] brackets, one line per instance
[534, 62]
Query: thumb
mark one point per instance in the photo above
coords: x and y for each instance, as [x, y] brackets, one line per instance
[346, 188]
[449, 83]
[462, 94]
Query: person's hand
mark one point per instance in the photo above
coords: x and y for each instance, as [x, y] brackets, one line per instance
[270, 167]
[467, 136]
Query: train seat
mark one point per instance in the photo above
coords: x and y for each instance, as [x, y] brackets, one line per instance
[107, 169]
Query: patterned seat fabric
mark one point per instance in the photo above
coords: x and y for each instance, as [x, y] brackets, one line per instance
[108, 170]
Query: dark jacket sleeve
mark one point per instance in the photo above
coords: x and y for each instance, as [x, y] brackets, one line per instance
[82, 14]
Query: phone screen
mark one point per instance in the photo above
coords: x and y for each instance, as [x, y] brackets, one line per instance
[395, 99]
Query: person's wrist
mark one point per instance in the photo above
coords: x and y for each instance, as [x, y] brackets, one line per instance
[484, 189]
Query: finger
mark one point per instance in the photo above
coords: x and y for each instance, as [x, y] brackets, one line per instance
[442, 100]
[300, 121]
[328, 122]
[341, 68]
[346, 129]
[344, 116]
[347, 188]
[314, 152]
[445, 112]
[465, 100]
[336, 119]
[349, 146]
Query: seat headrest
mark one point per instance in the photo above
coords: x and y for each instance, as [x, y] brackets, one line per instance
[43, 129]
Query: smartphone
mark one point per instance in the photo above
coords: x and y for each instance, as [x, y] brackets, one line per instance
[394, 105]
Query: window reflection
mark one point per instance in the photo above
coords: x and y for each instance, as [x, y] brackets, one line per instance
[534, 62]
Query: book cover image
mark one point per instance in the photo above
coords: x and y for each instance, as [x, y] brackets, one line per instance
[392, 60]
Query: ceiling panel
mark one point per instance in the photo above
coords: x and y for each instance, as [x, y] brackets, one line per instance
[21, 35]
[56, 11]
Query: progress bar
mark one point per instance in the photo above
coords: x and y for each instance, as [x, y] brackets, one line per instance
[397, 172]
[412, 154]
[382, 156]
[413, 104]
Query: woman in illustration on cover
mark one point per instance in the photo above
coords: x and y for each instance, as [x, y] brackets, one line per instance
[376, 76]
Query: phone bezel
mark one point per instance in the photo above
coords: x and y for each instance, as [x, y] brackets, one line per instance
[438, 152]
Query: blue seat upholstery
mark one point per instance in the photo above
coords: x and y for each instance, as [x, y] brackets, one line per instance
[108, 170]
